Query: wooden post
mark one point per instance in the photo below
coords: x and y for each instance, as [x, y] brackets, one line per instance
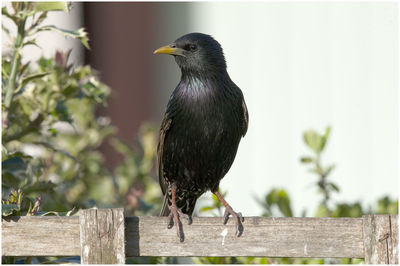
[102, 236]
[381, 239]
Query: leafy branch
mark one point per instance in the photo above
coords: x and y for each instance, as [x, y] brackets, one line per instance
[317, 142]
[37, 12]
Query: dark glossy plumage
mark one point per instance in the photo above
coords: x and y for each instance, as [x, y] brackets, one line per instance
[205, 119]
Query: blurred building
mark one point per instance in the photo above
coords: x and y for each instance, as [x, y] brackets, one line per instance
[123, 37]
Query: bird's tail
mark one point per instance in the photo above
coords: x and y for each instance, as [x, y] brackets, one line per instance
[165, 207]
[186, 206]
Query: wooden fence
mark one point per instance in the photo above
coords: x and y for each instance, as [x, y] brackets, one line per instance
[106, 236]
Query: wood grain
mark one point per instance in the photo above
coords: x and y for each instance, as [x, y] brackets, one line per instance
[40, 236]
[265, 237]
[102, 236]
[394, 240]
[381, 239]
[149, 236]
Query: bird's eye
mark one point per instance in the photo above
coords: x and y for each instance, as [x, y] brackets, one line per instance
[190, 47]
[193, 47]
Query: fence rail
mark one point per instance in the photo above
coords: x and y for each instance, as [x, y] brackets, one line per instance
[106, 236]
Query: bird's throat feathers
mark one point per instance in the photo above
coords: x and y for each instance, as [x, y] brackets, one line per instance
[197, 85]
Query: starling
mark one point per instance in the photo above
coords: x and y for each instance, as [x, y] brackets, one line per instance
[205, 119]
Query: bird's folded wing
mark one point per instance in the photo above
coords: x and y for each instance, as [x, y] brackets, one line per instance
[166, 123]
[245, 118]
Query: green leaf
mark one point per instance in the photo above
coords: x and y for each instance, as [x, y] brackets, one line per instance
[6, 32]
[52, 6]
[24, 67]
[92, 90]
[39, 20]
[319, 169]
[334, 186]
[17, 6]
[5, 12]
[15, 165]
[36, 207]
[329, 170]
[61, 112]
[8, 209]
[313, 140]
[208, 208]
[31, 42]
[284, 204]
[123, 148]
[26, 79]
[16, 154]
[45, 63]
[79, 34]
[306, 159]
[322, 211]
[279, 198]
[348, 210]
[325, 137]
[388, 206]
[10, 180]
[54, 148]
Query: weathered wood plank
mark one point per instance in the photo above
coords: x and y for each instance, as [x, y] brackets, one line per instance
[380, 239]
[149, 236]
[265, 237]
[40, 236]
[102, 236]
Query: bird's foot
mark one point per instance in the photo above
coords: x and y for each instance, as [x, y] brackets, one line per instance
[238, 218]
[174, 218]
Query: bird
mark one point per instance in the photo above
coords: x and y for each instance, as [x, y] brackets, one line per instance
[205, 119]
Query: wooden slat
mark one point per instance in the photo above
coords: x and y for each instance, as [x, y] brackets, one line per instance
[266, 237]
[149, 236]
[102, 236]
[40, 236]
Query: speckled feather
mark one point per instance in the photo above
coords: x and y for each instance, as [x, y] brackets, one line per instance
[205, 119]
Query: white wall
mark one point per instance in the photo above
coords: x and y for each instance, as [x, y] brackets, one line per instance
[308, 65]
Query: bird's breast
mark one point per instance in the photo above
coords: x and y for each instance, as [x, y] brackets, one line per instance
[204, 135]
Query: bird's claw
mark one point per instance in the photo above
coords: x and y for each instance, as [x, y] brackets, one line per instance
[174, 218]
[238, 219]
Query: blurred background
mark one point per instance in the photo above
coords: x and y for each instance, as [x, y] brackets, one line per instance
[320, 72]
[299, 65]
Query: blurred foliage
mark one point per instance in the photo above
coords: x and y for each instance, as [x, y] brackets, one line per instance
[317, 142]
[17, 205]
[276, 203]
[51, 163]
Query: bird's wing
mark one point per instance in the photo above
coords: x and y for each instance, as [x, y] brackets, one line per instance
[245, 118]
[166, 123]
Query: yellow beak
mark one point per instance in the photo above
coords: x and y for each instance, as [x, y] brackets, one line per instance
[169, 50]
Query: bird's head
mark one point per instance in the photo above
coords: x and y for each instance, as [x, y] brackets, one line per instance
[196, 53]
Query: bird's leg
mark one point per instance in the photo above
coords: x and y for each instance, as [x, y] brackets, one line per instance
[173, 217]
[229, 211]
